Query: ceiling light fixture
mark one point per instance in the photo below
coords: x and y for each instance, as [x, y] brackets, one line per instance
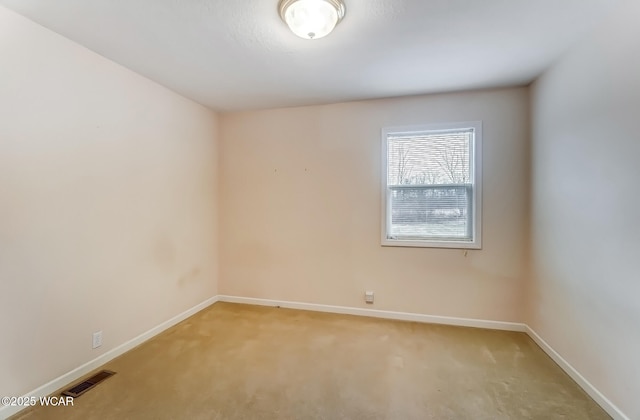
[311, 19]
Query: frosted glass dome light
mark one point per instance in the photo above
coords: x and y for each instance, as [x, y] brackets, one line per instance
[311, 19]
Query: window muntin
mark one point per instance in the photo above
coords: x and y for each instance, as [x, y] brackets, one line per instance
[431, 188]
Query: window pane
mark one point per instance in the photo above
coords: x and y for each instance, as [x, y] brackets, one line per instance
[431, 185]
[431, 212]
[440, 157]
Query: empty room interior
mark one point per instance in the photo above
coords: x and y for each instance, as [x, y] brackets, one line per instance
[411, 209]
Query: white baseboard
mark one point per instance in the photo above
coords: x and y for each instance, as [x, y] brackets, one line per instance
[593, 392]
[77, 373]
[375, 313]
[67, 378]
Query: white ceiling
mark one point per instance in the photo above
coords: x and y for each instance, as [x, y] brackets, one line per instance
[238, 54]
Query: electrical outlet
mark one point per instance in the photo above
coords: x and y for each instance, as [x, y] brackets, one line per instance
[97, 339]
[368, 296]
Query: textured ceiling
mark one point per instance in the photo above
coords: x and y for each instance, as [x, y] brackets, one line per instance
[238, 54]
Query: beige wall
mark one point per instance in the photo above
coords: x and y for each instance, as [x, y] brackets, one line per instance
[107, 204]
[586, 201]
[300, 208]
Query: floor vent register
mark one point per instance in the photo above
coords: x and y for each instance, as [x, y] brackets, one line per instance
[87, 384]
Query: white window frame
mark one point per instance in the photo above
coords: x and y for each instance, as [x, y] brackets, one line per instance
[475, 163]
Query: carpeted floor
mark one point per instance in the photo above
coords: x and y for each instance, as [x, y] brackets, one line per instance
[246, 362]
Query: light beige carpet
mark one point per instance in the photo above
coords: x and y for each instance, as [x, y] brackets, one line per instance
[244, 362]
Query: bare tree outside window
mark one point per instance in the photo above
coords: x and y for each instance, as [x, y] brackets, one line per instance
[403, 173]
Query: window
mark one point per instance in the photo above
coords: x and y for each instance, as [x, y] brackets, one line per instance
[431, 185]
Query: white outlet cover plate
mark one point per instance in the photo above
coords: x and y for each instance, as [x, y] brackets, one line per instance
[97, 339]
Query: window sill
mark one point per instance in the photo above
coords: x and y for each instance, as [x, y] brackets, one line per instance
[432, 244]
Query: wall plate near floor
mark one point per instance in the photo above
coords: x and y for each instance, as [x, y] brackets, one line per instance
[368, 296]
[97, 339]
